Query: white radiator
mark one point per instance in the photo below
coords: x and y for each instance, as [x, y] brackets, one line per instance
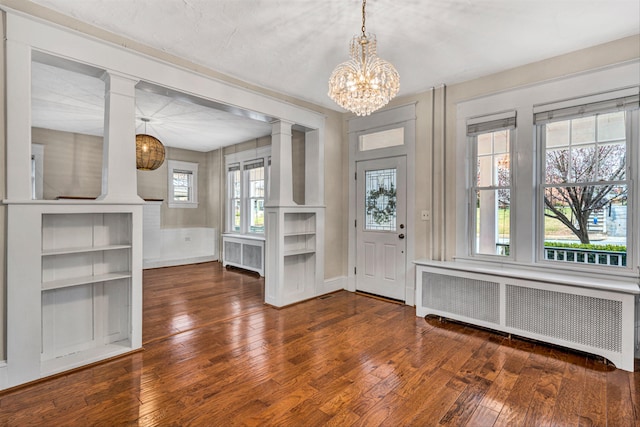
[599, 321]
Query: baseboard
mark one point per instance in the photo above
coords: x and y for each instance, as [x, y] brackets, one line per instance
[332, 285]
[4, 375]
[157, 263]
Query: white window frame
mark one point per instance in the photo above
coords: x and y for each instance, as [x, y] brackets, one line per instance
[632, 152]
[176, 166]
[37, 171]
[241, 158]
[479, 126]
[572, 91]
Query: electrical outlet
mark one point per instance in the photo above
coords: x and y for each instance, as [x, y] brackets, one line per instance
[425, 215]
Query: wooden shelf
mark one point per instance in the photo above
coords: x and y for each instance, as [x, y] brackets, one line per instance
[299, 252]
[84, 280]
[300, 233]
[64, 251]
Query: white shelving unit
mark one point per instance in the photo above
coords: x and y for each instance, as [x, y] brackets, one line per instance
[86, 284]
[299, 233]
[295, 260]
[83, 290]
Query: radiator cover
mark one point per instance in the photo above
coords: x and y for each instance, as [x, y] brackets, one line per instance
[471, 298]
[245, 252]
[600, 322]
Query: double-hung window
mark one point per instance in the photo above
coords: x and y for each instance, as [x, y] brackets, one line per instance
[234, 196]
[182, 184]
[254, 176]
[490, 195]
[247, 184]
[586, 191]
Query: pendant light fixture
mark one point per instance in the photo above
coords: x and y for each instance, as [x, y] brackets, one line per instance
[149, 150]
[364, 83]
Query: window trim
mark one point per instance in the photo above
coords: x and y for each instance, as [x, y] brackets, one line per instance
[240, 159]
[177, 165]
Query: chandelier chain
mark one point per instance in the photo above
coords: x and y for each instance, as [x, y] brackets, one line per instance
[364, 4]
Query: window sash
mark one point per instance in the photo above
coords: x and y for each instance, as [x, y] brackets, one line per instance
[566, 114]
[478, 241]
[239, 173]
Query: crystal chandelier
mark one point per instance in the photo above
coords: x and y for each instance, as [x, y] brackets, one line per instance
[364, 83]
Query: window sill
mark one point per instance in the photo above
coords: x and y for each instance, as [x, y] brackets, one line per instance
[244, 236]
[183, 205]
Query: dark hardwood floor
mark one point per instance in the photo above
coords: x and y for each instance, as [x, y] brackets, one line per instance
[215, 355]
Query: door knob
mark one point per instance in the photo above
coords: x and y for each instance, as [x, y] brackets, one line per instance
[401, 236]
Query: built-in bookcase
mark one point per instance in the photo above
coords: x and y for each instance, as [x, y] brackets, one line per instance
[79, 301]
[295, 260]
[299, 233]
[86, 285]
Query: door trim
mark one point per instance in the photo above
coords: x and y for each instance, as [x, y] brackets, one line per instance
[401, 116]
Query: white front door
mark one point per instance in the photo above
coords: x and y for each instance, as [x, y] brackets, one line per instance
[381, 227]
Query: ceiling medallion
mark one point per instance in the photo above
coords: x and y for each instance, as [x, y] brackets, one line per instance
[364, 83]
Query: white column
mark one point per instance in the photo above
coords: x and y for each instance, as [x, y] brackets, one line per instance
[18, 63]
[314, 169]
[119, 178]
[281, 185]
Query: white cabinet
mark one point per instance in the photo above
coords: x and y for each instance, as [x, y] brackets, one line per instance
[77, 273]
[295, 260]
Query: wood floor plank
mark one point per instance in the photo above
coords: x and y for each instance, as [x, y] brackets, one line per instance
[517, 403]
[542, 406]
[619, 403]
[482, 417]
[593, 411]
[215, 354]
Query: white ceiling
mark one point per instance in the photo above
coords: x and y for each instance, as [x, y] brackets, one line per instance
[72, 101]
[291, 46]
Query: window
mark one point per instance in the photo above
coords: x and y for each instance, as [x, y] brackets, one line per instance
[183, 184]
[586, 190]
[247, 183]
[490, 213]
[383, 139]
[254, 175]
[555, 189]
[234, 196]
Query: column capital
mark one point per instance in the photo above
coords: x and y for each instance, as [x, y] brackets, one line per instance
[281, 126]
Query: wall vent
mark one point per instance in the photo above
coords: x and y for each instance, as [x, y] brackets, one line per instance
[581, 319]
[472, 298]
